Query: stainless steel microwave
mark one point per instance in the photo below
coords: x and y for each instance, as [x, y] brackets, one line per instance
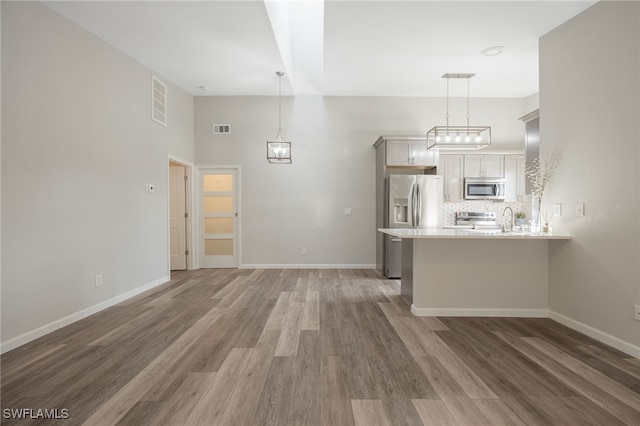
[484, 189]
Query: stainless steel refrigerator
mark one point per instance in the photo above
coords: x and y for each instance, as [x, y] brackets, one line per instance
[413, 201]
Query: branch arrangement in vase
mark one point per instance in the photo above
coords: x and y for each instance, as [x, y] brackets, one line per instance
[541, 171]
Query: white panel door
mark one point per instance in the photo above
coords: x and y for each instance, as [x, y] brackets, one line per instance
[177, 218]
[219, 218]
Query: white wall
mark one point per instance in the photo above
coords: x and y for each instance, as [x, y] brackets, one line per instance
[589, 109]
[532, 102]
[78, 148]
[288, 207]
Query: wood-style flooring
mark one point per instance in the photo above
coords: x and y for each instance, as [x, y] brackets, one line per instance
[319, 347]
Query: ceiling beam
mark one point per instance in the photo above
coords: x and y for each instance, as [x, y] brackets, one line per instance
[298, 27]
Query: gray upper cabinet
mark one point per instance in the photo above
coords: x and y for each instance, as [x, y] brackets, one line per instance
[455, 167]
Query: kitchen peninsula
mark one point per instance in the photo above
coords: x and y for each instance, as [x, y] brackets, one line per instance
[453, 272]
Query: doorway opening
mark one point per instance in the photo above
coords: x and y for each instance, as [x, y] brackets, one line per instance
[180, 215]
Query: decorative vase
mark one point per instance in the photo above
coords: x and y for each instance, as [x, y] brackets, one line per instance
[536, 204]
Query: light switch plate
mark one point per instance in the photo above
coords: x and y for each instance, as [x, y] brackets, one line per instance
[636, 312]
[579, 209]
[557, 209]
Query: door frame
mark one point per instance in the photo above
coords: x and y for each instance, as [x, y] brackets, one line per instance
[199, 208]
[190, 208]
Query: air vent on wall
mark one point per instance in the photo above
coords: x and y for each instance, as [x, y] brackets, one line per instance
[158, 101]
[221, 129]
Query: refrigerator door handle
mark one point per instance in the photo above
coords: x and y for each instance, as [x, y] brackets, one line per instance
[413, 205]
[418, 206]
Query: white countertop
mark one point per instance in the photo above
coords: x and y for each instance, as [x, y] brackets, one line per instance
[439, 233]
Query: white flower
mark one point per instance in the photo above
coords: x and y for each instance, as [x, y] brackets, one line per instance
[541, 171]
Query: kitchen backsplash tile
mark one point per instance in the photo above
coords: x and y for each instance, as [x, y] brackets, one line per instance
[450, 209]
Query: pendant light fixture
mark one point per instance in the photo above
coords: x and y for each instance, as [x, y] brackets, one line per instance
[458, 137]
[279, 151]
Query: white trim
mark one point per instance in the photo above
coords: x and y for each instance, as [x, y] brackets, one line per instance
[70, 319]
[307, 266]
[470, 312]
[600, 336]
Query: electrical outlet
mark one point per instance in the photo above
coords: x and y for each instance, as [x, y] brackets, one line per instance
[579, 209]
[557, 209]
[636, 312]
[98, 280]
[303, 251]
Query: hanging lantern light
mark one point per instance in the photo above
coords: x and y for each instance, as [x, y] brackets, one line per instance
[466, 137]
[279, 151]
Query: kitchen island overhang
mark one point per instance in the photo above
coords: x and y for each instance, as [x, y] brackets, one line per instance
[451, 272]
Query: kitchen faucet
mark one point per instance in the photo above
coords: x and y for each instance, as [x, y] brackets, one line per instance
[513, 225]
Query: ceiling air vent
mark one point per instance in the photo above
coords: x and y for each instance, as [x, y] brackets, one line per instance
[158, 101]
[221, 129]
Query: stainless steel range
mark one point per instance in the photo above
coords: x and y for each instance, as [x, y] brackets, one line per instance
[475, 220]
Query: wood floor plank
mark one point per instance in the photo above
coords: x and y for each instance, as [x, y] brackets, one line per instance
[466, 378]
[369, 412]
[290, 335]
[140, 413]
[410, 339]
[209, 409]
[178, 407]
[498, 413]
[434, 412]
[300, 292]
[243, 403]
[311, 312]
[304, 406]
[28, 363]
[276, 319]
[276, 394]
[335, 403]
[621, 363]
[576, 410]
[118, 406]
[459, 404]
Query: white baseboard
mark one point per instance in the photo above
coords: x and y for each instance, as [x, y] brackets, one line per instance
[465, 312]
[307, 266]
[69, 319]
[600, 336]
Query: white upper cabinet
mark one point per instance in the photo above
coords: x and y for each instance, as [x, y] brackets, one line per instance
[451, 169]
[411, 153]
[455, 167]
[483, 165]
[514, 173]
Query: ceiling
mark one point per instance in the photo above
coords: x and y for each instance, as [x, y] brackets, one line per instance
[332, 47]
